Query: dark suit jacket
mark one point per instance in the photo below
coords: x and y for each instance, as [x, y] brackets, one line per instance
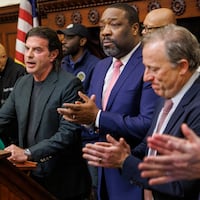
[83, 68]
[128, 113]
[57, 144]
[8, 78]
[188, 111]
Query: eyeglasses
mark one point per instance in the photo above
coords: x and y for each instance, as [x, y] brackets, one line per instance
[149, 28]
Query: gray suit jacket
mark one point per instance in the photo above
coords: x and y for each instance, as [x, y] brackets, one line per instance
[57, 142]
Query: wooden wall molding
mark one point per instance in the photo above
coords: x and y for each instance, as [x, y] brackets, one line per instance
[60, 13]
[8, 17]
[182, 9]
[57, 14]
[198, 3]
[153, 5]
[46, 6]
[178, 6]
[9, 14]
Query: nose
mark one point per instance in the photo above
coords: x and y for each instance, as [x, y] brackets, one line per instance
[29, 53]
[64, 40]
[144, 32]
[148, 76]
[106, 30]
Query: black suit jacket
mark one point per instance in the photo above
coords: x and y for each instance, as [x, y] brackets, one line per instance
[57, 142]
[188, 111]
[8, 77]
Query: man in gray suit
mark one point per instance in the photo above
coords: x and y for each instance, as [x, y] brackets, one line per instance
[44, 136]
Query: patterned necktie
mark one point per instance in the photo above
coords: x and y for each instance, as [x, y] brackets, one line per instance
[115, 75]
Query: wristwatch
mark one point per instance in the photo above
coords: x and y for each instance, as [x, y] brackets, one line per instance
[27, 152]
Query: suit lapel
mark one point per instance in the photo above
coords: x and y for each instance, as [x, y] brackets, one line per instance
[25, 102]
[187, 99]
[99, 80]
[130, 67]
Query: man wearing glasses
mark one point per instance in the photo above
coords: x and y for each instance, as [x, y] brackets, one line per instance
[158, 18]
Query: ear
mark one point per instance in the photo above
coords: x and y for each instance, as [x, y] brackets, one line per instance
[184, 66]
[53, 55]
[135, 28]
[83, 41]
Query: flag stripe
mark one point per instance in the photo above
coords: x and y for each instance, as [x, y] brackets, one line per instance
[20, 35]
[20, 46]
[26, 16]
[24, 26]
[20, 57]
[26, 20]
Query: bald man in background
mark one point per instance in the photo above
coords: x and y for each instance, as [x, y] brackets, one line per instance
[158, 18]
[10, 71]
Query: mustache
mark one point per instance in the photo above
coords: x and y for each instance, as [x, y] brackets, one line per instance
[107, 39]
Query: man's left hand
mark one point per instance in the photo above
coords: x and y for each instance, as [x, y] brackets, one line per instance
[80, 112]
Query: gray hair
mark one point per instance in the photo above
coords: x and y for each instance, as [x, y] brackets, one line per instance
[179, 43]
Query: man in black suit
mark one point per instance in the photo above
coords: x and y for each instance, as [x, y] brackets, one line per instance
[10, 71]
[44, 136]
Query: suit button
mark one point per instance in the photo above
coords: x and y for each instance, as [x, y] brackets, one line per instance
[131, 181]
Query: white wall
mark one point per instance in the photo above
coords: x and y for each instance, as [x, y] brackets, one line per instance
[4, 3]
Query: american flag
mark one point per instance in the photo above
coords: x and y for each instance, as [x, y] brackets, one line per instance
[26, 20]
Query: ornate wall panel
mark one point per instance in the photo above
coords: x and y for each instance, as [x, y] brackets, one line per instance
[57, 14]
[88, 12]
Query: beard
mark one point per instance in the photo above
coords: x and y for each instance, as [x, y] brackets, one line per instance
[113, 50]
[70, 51]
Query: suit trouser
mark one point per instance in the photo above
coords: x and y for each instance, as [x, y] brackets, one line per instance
[42, 183]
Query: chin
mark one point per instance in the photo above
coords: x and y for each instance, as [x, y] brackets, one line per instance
[29, 70]
[159, 93]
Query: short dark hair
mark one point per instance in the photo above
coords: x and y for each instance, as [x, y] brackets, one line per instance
[53, 41]
[131, 12]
